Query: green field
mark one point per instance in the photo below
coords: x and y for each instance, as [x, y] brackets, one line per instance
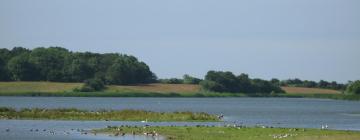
[152, 90]
[111, 115]
[234, 133]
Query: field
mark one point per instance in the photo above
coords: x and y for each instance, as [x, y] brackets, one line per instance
[234, 133]
[13, 87]
[111, 115]
[156, 88]
[153, 90]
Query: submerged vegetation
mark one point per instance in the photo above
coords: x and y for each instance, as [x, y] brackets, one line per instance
[232, 133]
[113, 115]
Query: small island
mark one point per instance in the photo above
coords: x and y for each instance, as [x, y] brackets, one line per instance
[230, 133]
[103, 115]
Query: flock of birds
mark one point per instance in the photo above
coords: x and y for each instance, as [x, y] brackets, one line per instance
[154, 133]
[52, 132]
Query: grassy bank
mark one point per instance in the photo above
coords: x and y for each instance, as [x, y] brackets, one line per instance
[54, 89]
[235, 133]
[123, 115]
[179, 95]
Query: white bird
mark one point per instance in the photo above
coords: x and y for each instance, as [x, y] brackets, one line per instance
[144, 121]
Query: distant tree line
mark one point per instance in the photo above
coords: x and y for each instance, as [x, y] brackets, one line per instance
[187, 79]
[220, 81]
[310, 84]
[97, 70]
[61, 65]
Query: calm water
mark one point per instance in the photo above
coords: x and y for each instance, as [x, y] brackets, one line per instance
[278, 112]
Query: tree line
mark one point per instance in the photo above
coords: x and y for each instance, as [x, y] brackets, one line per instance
[61, 65]
[97, 70]
[310, 84]
[220, 81]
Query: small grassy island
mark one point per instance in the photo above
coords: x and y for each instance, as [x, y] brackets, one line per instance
[108, 115]
[233, 133]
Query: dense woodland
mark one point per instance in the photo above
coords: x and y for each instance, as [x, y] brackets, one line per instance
[97, 70]
[61, 65]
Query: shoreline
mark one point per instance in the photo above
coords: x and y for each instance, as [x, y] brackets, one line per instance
[179, 95]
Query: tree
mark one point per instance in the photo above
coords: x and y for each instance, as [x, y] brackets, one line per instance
[4, 75]
[227, 80]
[275, 81]
[128, 70]
[172, 81]
[22, 69]
[50, 62]
[219, 81]
[354, 88]
[190, 80]
[92, 85]
[244, 84]
[212, 86]
[59, 64]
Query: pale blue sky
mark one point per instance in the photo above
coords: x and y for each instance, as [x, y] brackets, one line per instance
[308, 39]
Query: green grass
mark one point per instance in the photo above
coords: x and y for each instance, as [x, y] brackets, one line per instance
[234, 133]
[123, 115]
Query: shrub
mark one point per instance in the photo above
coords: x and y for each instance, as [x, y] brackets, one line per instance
[354, 87]
[92, 85]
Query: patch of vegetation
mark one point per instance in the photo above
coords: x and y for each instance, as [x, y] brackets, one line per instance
[233, 133]
[91, 85]
[219, 81]
[311, 84]
[354, 88]
[113, 115]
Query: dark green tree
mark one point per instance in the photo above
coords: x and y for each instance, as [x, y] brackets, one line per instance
[22, 69]
[50, 62]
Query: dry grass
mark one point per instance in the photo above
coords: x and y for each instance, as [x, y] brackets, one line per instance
[160, 88]
[37, 86]
[292, 90]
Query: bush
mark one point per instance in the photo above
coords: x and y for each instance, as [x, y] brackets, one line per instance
[354, 88]
[211, 86]
[171, 81]
[91, 85]
[190, 80]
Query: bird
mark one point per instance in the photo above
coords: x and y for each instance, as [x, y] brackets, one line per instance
[7, 130]
[145, 121]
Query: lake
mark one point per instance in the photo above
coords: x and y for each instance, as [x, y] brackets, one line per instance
[277, 112]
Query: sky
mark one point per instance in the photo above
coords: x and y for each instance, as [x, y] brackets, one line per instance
[306, 39]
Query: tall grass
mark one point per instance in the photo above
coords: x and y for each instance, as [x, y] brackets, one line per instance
[122, 115]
